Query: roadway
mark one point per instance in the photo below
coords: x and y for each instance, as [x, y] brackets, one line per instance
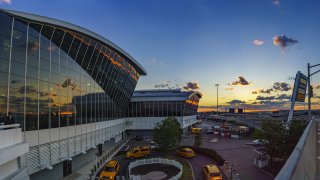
[235, 151]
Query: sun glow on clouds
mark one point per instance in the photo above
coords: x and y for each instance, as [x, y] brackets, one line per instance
[258, 42]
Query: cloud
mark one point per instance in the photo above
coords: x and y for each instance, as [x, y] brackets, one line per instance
[5, 1]
[283, 97]
[269, 98]
[229, 88]
[262, 91]
[262, 98]
[276, 3]
[155, 61]
[283, 41]
[317, 86]
[236, 101]
[32, 90]
[241, 81]
[281, 86]
[258, 42]
[191, 86]
[164, 84]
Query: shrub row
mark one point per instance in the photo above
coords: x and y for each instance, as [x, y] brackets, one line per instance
[209, 152]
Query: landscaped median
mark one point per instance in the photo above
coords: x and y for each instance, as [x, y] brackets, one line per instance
[208, 152]
[187, 169]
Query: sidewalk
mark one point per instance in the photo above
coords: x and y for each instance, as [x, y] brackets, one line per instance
[83, 173]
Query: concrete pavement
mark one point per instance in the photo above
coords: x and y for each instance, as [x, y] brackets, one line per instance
[235, 151]
[318, 149]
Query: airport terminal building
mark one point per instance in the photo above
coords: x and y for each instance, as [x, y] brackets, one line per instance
[69, 92]
[149, 107]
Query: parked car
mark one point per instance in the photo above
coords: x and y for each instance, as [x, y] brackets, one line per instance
[154, 146]
[186, 152]
[258, 142]
[110, 170]
[138, 138]
[196, 130]
[211, 172]
[209, 130]
[138, 152]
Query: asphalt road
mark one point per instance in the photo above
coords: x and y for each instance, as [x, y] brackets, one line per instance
[235, 151]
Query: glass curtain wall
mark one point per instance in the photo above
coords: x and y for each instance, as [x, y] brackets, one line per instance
[156, 108]
[53, 77]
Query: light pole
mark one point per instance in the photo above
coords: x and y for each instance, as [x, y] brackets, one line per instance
[309, 88]
[217, 100]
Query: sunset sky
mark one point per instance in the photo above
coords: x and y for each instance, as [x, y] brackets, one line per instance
[251, 48]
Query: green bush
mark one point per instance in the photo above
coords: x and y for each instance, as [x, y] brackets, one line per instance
[208, 152]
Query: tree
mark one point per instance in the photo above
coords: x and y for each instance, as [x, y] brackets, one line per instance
[281, 140]
[168, 133]
[293, 135]
[197, 141]
[274, 132]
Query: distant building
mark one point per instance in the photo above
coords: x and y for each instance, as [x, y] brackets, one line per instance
[149, 107]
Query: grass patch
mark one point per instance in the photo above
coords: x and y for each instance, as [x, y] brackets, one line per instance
[186, 172]
[208, 152]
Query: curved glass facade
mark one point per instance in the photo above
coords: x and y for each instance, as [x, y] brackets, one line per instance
[164, 108]
[53, 77]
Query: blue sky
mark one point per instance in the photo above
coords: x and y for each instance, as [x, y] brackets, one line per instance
[203, 41]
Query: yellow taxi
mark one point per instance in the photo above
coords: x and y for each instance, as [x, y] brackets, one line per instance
[111, 169]
[186, 152]
[211, 172]
[196, 130]
[138, 152]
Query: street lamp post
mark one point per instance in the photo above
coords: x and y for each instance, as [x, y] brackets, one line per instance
[217, 100]
[309, 88]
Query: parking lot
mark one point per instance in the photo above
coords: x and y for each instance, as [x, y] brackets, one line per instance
[235, 151]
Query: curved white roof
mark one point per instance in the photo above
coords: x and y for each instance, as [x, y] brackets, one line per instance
[70, 26]
[163, 95]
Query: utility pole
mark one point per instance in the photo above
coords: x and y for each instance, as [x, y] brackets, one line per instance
[217, 100]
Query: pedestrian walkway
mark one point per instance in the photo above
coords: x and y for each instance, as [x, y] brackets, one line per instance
[318, 149]
[83, 173]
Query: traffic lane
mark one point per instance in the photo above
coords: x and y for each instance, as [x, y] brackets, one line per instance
[197, 164]
[236, 151]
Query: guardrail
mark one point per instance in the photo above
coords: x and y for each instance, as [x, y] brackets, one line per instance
[302, 161]
[10, 126]
[105, 157]
[155, 161]
[10, 135]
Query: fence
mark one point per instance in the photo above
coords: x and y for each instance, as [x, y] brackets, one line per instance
[155, 161]
[105, 157]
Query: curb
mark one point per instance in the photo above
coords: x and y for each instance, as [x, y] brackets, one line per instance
[264, 171]
[191, 170]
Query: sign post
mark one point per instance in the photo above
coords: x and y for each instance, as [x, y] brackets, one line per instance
[298, 94]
